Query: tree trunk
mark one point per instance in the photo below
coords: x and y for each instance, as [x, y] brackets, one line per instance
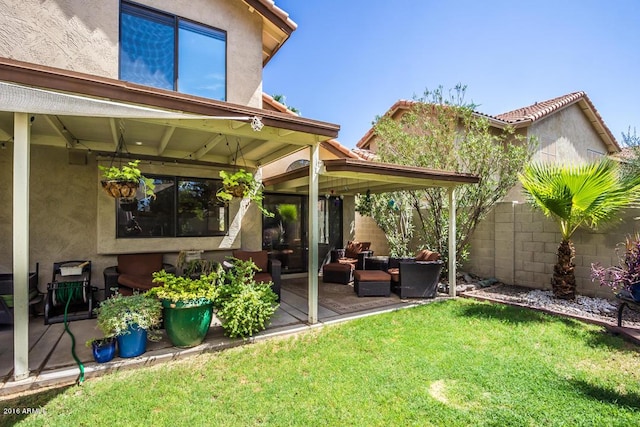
[564, 279]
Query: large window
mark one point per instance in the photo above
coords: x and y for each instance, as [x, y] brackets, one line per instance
[169, 52]
[183, 207]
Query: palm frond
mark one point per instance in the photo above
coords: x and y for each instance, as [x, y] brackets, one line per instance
[587, 194]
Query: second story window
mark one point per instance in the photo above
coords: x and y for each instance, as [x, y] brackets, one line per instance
[168, 52]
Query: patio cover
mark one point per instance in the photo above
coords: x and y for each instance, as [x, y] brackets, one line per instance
[48, 106]
[352, 176]
[42, 105]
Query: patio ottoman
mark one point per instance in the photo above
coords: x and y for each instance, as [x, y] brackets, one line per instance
[336, 272]
[372, 283]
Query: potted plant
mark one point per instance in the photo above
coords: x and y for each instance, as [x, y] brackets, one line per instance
[123, 182]
[625, 277]
[241, 184]
[187, 304]
[131, 319]
[194, 267]
[244, 306]
[103, 349]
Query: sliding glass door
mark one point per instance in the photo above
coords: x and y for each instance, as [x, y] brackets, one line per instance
[285, 235]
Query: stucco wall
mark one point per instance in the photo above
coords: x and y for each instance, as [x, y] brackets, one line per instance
[566, 136]
[518, 245]
[83, 36]
[71, 218]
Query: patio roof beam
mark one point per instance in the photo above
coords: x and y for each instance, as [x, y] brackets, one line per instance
[209, 145]
[114, 132]
[60, 129]
[279, 154]
[166, 137]
[219, 125]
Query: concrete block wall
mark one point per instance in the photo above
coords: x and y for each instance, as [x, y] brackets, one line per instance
[368, 231]
[526, 243]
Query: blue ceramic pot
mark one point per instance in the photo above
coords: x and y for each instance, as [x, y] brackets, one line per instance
[134, 343]
[103, 350]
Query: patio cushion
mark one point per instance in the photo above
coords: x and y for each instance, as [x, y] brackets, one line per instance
[136, 281]
[427, 255]
[262, 277]
[139, 264]
[371, 276]
[354, 248]
[260, 258]
[395, 274]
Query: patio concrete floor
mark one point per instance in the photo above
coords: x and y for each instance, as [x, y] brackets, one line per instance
[52, 365]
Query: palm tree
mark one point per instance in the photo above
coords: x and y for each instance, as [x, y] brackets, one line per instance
[586, 195]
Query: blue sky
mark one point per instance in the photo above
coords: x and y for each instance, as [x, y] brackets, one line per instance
[350, 60]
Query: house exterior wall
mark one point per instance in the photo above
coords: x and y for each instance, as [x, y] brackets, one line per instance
[73, 35]
[534, 242]
[567, 136]
[280, 166]
[71, 217]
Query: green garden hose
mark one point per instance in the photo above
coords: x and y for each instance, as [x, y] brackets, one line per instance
[71, 291]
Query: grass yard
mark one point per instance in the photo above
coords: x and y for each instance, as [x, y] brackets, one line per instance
[451, 363]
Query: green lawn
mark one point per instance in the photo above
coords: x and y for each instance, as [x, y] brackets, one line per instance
[450, 363]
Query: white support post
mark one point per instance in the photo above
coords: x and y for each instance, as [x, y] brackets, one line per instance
[314, 234]
[452, 241]
[21, 161]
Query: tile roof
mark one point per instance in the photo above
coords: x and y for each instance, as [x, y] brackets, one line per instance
[365, 154]
[540, 109]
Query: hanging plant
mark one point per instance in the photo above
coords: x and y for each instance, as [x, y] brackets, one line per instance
[123, 182]
[241, 184]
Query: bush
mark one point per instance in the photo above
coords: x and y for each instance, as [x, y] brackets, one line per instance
[243, 305]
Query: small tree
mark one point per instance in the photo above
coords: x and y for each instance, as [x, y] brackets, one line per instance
[577, 196]
[631, 165]
[443, 132]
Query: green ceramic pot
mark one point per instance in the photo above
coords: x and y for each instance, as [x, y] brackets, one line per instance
[186, 326]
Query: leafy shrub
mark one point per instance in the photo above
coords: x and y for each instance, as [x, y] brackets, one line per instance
[243, 305]
[627, 272]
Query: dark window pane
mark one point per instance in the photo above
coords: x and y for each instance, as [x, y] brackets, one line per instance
[201, 61]
[199, 211]
[147, 47]
[150, 217]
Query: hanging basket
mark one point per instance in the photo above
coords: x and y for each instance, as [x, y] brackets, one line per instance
[125, 190]
[236, 190]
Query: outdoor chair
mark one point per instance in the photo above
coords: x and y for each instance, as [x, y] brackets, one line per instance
[6, 295]
[269, 269]
[134, 273]
[344, 261]
[416, 277]
[354, 253]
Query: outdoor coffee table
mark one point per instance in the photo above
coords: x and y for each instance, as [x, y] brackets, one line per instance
[370, 283]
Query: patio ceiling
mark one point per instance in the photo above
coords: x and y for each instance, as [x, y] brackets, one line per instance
[89, 113]
[352, 176]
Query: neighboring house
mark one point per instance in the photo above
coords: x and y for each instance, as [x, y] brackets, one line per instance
[178, 85]
[513, 244]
